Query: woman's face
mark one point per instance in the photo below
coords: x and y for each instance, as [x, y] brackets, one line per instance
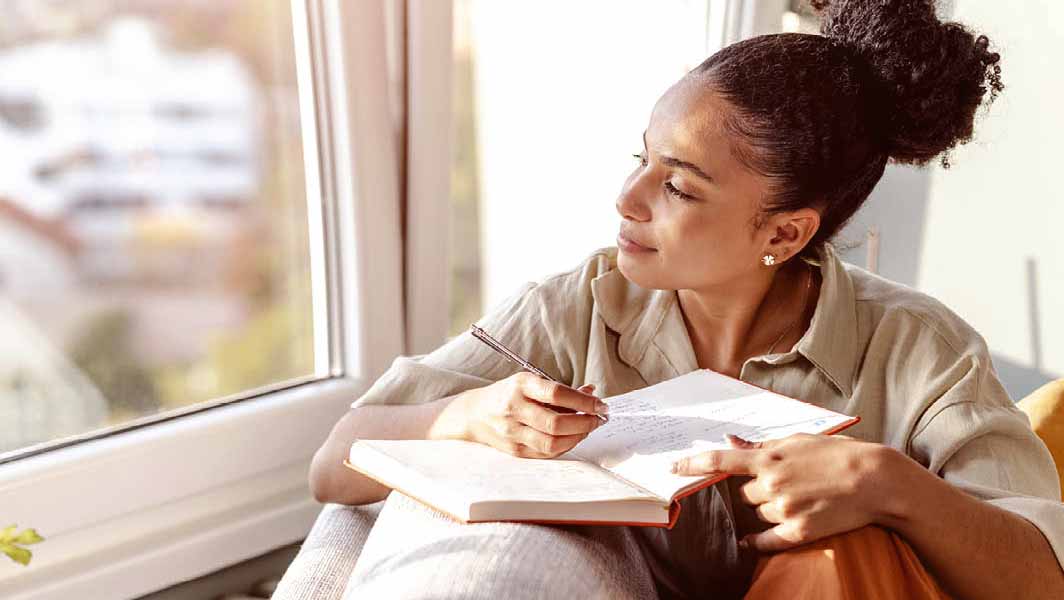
[689, 203]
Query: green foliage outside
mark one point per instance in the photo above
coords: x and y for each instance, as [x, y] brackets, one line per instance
[103, 354]
[273, 346]
[11, 543]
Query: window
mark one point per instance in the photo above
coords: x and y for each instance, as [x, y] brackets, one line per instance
[255, 192]
[153, 213]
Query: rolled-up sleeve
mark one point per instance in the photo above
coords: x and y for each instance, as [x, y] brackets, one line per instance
[465, 363]
[978, 440]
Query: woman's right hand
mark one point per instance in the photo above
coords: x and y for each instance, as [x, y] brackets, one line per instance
[515, 415]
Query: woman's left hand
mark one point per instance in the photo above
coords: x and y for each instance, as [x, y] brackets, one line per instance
[810, 486]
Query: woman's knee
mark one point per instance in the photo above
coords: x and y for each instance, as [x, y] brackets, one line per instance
[415, 552]
[870, 562]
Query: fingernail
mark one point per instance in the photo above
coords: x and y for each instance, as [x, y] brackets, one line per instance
[744, 545]
[735, 440]
[601, 407]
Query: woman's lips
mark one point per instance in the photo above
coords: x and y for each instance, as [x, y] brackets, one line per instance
[628, 245]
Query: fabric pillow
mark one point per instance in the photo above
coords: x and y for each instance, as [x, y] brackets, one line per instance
[1045, 409]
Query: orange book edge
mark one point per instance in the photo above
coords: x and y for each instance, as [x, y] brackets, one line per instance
[674, 507]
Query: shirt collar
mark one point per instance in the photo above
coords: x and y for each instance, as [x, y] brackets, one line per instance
[634, 312]
[831, 342]
[646, 318]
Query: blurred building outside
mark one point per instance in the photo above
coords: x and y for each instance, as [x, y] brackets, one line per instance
[140, 237]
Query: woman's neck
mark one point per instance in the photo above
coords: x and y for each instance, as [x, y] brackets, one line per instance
[728, 324]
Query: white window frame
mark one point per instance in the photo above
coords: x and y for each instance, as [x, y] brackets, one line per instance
[430, 58]
[140, 510]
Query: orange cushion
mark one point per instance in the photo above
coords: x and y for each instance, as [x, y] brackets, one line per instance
[1045, 409]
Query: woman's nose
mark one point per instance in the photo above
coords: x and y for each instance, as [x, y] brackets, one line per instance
[632, 203]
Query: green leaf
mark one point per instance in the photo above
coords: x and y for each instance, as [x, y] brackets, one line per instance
[29, 536]
[19, 555]
[9, 541]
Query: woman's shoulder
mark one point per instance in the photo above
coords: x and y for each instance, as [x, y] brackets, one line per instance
[565, 297]
[562, 303]
[911, 315]
[578, 279]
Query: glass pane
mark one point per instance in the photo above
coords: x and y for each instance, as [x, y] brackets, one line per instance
[544, 132]
[800, 17]
[465, 300]
[153, 225]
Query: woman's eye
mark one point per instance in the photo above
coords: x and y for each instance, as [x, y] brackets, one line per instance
[671, 189]
[642, 158]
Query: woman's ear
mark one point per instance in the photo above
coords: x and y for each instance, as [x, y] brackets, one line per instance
[794, 230]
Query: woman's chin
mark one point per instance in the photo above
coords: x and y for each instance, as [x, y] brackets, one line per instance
[639, 272]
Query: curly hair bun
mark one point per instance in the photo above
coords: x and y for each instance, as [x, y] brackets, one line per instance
[932, 76]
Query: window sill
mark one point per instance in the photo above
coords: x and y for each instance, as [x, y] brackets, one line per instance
[133, 513]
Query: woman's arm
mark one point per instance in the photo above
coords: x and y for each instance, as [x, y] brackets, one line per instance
[482, 397]
[331, 481]
[513, 415]
[975, 549]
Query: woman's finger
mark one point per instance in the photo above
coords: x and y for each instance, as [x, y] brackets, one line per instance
[769, 512]
[777, 539]
[556, 394]
[542, 418]
[550, 445]
[734, 462]
[738, 442]
[754, 493]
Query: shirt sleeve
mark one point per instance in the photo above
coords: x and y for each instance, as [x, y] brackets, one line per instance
[978, 440]
[465, 363]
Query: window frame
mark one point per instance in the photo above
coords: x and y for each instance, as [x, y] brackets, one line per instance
[144, 508]
[430, 56]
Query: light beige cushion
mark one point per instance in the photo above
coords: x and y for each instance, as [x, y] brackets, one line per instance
[1045, 409]
[416, 553]
[321, 569]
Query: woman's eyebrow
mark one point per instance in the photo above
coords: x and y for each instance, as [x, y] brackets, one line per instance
[680, 164]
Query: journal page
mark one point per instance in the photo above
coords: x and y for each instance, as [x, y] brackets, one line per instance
[650, 428]
[479, 473]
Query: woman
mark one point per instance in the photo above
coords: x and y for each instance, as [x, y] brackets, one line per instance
[751, 163]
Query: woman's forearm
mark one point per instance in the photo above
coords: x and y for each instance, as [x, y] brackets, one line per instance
[331, 481]
[974, 549]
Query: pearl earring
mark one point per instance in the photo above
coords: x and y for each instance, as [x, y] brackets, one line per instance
[769, 260]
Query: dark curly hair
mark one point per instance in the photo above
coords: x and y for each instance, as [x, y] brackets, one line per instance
[821, 115]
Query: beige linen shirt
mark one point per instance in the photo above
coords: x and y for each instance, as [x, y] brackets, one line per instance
[920, 378]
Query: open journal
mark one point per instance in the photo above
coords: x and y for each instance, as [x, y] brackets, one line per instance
[618, 475]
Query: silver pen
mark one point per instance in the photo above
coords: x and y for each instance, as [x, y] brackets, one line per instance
[497, 346]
